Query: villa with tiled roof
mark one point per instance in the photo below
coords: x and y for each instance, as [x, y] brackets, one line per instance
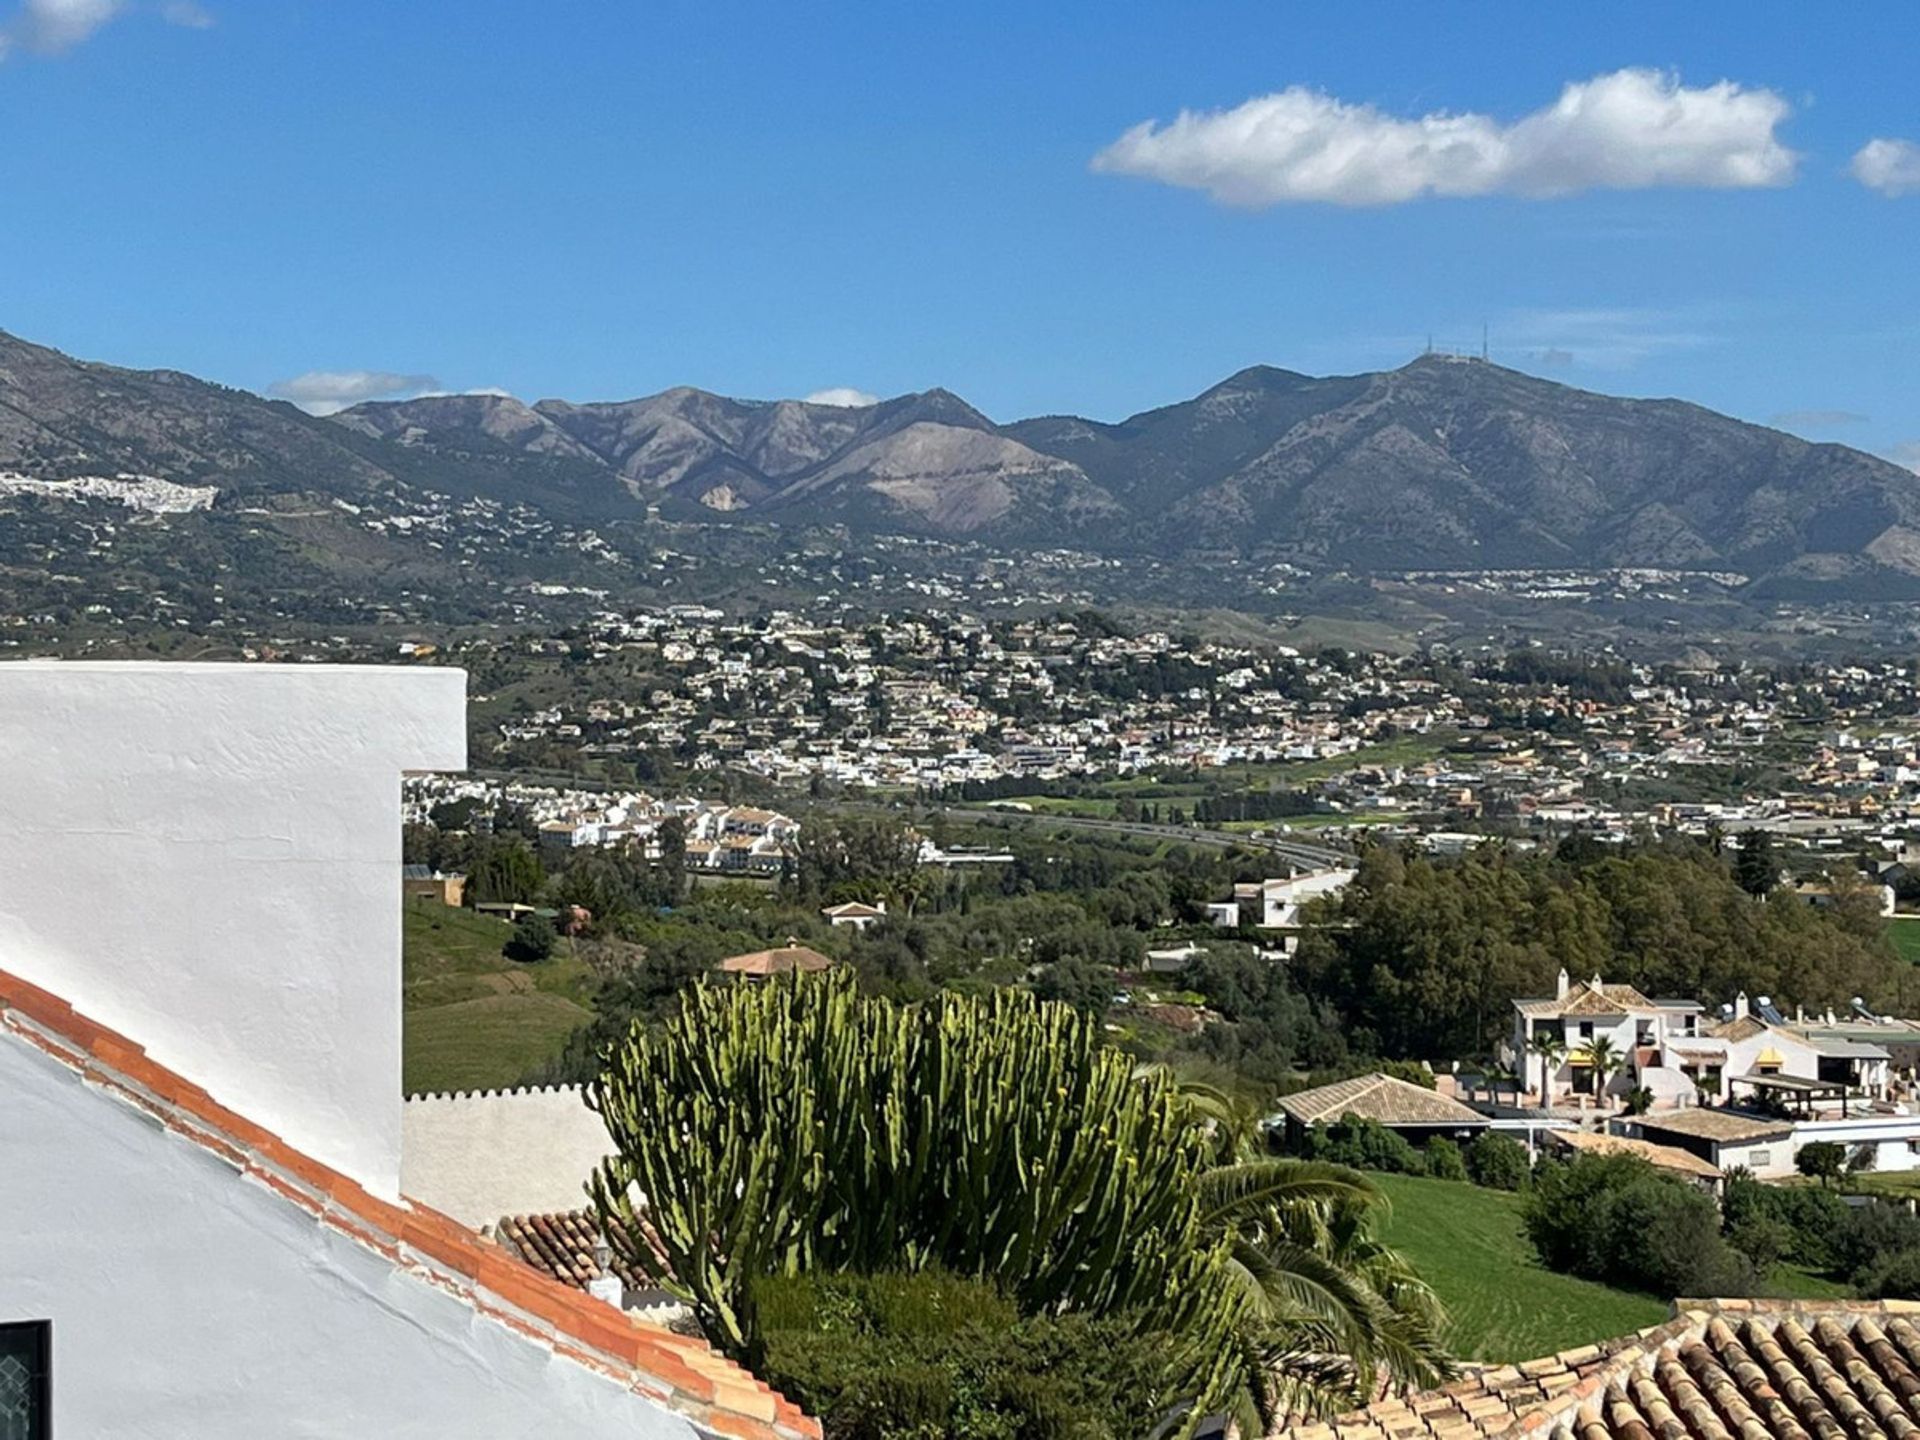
[1413, 1110]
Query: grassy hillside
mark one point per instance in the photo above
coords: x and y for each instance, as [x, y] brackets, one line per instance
[1468, 1244]
[1905, 934]
[473, 1018]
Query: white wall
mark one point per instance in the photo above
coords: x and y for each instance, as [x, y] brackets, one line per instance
[189, 1303]
[482, 1157]
[207, 859]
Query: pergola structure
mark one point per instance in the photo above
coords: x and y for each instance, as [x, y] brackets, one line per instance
[1794, 1090]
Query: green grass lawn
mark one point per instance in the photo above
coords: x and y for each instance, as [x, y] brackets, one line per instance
[1905, 935]
[1795, 1282]
[1893, 1185]
[474, 1019]
[1467, 1243]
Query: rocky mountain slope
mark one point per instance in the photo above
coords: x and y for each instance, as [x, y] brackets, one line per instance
[1441, 464]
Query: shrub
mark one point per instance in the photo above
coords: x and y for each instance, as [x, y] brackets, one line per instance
[1891, 1277]
[1498, 1161]
[533, 939]
[910, 1357]
[1363, 1145]
[817, 1129]
[1615, 1218]
[1444, 1161]
[1869, 1236]
[1813, 1219]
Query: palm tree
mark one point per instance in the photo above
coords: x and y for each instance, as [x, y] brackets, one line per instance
[1332, 1312]
[1605, 1061]
[1550, 1049]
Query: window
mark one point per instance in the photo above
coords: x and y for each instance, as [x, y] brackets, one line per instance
[23, 1380]
[1759, 1159]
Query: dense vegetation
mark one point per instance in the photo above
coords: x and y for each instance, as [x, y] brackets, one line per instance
[1423, 957]
[1418, 959]
[1614, 1218]
[802, 1128]
[913, 1356]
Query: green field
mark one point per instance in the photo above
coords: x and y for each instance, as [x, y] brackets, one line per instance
[1467, 1243]
[475, 1020]
[1905, 935]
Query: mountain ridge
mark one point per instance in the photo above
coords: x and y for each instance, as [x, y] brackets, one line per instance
[1442, 463]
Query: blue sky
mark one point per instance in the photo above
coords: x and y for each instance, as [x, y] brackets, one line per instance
[599, 200]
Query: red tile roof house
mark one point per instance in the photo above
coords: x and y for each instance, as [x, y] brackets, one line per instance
[202, 1232]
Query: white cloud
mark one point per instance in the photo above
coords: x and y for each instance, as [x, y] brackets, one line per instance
[51, 27]
[1632, 129]
[843, 395]
[1890, 166]
[325, 392]
[187, 14]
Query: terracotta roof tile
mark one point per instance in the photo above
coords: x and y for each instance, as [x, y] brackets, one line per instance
[1378, 1097]
[1718, 1370]
[561, 1245]
[681, 1372]
[1665, 1157]
[780, 961]
[1727, 1126]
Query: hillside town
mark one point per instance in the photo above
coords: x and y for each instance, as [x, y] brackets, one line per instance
[1074, 707]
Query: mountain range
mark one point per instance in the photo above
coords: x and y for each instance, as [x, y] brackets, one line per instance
[1444, 463]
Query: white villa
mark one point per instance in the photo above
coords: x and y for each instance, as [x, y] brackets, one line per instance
[1593, 1039]
[1747, 1089]
[1275, 904]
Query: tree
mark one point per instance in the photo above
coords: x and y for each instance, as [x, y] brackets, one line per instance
[1606, 1061]
[1821, 1160]
[533, 939]
[505, 872]
[1498, 1161]
[673, 859]
[1330, 1310]
[1549, 1051]
[1755, 866]
[1083, 985]
[860, 859]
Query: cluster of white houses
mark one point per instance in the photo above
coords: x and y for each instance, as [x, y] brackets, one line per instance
[1602, 1066]
[1747, 1087]
[730, 839]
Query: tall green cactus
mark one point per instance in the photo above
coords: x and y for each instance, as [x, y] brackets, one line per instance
[800, 1126]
